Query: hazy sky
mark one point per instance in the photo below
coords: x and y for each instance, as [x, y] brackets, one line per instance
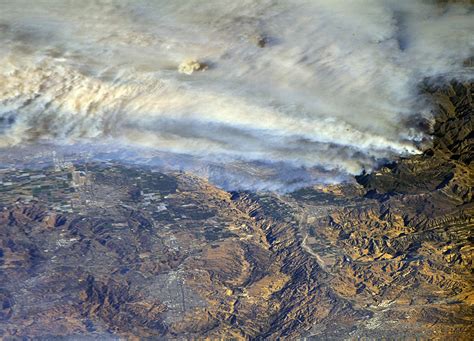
[333, 88]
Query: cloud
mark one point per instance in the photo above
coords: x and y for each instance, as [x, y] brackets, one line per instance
[335, 87]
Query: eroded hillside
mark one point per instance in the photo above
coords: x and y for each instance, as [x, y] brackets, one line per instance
[105, 250]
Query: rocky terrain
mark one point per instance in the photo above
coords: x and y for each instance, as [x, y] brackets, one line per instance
[107, 251]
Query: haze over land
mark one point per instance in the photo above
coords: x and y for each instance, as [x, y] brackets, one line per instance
[236, 170]
[332, 86]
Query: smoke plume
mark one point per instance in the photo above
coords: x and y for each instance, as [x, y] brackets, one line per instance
[305, 84]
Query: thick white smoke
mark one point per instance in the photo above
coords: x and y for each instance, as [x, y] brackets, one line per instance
[332, 88]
